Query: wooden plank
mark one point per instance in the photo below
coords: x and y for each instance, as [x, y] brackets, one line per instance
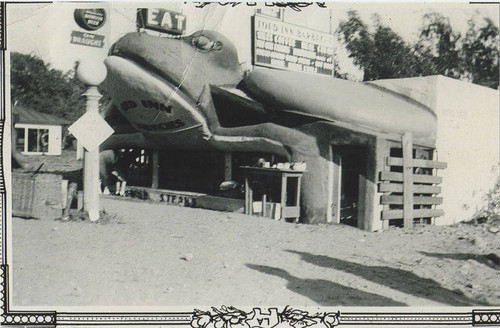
[290, 212]
[155, 164]
[423, 213]
[417, 189]
[407, 144]
[397, 161]
[398, 200]
[417, 178]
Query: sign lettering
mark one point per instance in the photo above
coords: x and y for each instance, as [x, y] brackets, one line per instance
[87, 39]
[280, 45]
[161, 20]
[146, 103]
[176, 199]
[90, 19]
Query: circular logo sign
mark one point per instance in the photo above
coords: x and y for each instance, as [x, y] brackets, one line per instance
[90, 19]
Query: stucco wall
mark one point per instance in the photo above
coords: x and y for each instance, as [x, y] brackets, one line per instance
[467, 138]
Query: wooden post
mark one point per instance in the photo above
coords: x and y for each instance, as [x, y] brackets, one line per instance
[155, 163]
[248, 196]
[71, 193]
[369, 207]
[264, 204]
[434, 157]
[329, 186]
[299, 183]
[337, 188]
[334, 187]
[247, 202]
[228, 166]
[79, 202]
[407, 144]
[283, 195]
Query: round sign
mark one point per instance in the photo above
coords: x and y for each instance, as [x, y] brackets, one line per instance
[90, 19]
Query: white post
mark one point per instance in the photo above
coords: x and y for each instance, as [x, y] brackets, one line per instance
[91, 168]
[92, 74]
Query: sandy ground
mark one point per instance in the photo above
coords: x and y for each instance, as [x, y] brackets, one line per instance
[153, 254]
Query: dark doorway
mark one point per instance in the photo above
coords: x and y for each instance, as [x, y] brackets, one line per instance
[352, 162]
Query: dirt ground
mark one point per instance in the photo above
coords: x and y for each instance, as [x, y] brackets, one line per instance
[153, 254]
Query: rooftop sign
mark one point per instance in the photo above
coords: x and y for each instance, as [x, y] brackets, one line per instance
[161, 20]
[286, 46]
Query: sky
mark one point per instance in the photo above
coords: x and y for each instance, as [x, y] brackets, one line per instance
[44, 29]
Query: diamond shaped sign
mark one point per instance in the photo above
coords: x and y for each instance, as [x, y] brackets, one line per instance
[91, 130]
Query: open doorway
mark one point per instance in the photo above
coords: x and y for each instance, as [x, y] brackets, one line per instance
[348, 164]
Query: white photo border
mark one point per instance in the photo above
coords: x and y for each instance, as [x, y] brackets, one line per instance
[11, 317]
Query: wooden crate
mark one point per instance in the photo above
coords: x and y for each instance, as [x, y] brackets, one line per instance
[37, 196]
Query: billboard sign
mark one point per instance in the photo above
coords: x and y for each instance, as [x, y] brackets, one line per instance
[161, 20]
[276, 13]
[286, 46]
[87, 39]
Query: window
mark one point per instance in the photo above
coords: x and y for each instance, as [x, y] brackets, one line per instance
[20, 139]
[32, 140]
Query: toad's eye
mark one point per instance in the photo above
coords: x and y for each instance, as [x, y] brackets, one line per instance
[204, 43]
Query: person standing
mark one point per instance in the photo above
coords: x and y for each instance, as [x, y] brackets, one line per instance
[111, 170]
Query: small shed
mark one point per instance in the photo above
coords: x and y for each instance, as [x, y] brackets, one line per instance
[37, 133]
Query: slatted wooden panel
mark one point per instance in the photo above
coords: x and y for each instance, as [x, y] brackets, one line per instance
[408, 190]
[23, 195]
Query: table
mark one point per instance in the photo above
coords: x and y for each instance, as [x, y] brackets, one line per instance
[286, 211]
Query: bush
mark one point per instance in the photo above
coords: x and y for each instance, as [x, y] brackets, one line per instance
[491, 212]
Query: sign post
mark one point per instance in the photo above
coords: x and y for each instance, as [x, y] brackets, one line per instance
[91, 130]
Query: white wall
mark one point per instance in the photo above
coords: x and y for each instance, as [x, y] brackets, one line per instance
[55, 140]
[467, 138]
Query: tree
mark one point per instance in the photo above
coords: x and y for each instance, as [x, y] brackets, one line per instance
[36, 85]
[383, 54]
[480, 52]
[439, 47]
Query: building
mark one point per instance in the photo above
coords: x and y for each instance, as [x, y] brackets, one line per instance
[384, 153]
[37, 133]
[467, 138]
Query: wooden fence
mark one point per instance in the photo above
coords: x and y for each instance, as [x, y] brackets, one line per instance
[409, 194]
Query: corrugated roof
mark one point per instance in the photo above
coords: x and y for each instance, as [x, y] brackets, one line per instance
[23, 115]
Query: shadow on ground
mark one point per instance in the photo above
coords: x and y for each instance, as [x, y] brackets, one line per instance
[490, 260]
[325, 292]
[397, 279]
